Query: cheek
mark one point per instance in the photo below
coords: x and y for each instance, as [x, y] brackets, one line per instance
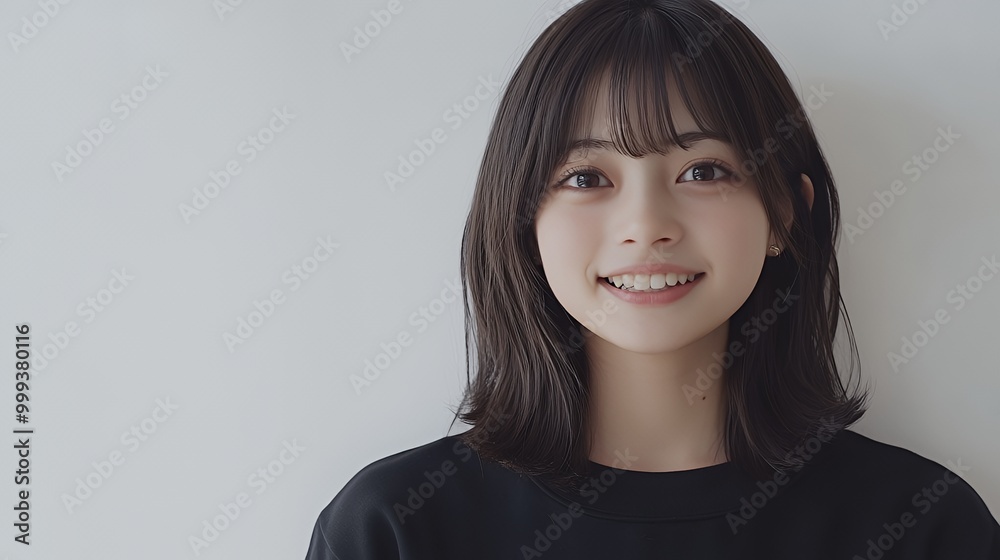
[566, 242]
[737, 221]
[737, 235]
[740, 232]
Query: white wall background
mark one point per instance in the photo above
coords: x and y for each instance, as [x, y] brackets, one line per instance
[63, 235]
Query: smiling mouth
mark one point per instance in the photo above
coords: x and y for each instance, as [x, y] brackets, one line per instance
[630, 286]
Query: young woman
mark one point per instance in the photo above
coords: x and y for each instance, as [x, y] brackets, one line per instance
[653, 294]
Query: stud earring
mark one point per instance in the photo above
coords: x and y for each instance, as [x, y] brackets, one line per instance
[774, 250]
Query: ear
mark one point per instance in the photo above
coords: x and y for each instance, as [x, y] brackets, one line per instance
[808, 193]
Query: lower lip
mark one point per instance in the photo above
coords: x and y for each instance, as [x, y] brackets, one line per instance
[654, 298]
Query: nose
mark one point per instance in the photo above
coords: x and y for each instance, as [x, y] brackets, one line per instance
[645, 212]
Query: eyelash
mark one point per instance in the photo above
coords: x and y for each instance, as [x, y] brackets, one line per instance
[586, 169]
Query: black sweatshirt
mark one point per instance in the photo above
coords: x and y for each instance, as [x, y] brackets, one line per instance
[855, 498]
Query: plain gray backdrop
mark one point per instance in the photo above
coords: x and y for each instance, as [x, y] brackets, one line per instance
[202, 189]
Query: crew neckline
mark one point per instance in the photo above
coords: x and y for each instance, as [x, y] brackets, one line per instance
[623, 494]
[703, 492]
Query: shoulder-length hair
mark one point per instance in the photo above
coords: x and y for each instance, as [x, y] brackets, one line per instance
[528, 403]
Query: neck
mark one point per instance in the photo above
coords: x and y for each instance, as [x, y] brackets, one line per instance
[649, 412]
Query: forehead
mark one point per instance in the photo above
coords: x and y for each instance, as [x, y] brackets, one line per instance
[594, 126]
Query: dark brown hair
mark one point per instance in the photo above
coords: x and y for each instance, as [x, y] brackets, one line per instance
[528, 401]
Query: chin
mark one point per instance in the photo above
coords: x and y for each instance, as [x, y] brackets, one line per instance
[644, 340]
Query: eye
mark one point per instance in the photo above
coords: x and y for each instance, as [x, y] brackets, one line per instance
[578, 173]
[704, 172]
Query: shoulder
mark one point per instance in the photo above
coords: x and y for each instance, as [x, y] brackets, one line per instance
[386, 480]
[860, 458]
[901, 487]
[421, 470]
[851, 451]
[885, 469]
[368, 516]
[383, 476]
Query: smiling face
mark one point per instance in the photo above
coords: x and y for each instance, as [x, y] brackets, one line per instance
[613, 211]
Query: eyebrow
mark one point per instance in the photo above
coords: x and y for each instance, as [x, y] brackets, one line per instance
[691, 137]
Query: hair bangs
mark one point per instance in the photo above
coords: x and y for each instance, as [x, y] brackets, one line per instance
[639, 76]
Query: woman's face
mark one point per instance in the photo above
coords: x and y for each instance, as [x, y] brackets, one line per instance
[660, 209]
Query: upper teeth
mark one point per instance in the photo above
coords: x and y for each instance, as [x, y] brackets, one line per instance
[650, 281]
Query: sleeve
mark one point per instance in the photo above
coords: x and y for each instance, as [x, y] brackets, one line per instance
[356, 525]
[961, 525]
[319, 547]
